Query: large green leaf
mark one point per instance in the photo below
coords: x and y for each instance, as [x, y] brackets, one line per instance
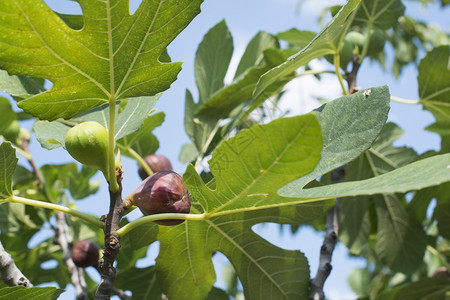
[8, 163]
[349, 126]
[34, 293]
[326, 42]
[253, 165]
[266, 271]
[433, 171]
[114, 56]
[434, 90]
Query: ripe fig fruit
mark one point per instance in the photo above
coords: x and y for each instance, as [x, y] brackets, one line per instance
[88, 143]
[157, 163]
[162, 192]
[85, 254]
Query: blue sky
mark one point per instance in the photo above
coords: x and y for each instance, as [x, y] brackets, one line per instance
[245, 19]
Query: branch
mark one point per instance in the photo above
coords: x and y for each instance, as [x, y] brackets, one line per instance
[64, 239]
[331, 235]
[351, 76]
[112, 241]
[11, 274]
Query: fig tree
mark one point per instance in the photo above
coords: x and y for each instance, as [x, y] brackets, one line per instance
[157, 163]
[88, 143]
[162, 192]
[85, 254]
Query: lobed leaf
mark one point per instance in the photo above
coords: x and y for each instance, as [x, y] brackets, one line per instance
[115, 55]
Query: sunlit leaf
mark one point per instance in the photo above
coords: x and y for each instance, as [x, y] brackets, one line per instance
[114, 56]
[324, 43]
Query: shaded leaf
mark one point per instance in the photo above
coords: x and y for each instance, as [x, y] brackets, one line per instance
[8, 115]
[20, 86]
[188, 153]
[381, 14]
[8, 163]
[51, 135]
[297, 38]
[34, 293]
[212, 59]
[434, 91]
[143, 141]
[114, 56]
[254, 53]
[141, 282]
[425, 289]
[401, 241]
[442, 215]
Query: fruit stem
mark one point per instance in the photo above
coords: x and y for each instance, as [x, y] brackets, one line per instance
[137, 158]
[36, 203]
[338, 73]
[134, 224]
[366, 42]
[113, 185]
[404, 101]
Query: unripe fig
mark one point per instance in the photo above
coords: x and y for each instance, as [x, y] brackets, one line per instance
[85, 254]
[11, 133]
[88, 143]
[157, 163]
[162, 192]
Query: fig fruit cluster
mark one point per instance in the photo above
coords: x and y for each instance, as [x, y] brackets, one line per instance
[157, 163]
[85, 254]
[162, 192]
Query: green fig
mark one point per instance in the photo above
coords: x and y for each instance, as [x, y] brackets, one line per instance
[88, 143]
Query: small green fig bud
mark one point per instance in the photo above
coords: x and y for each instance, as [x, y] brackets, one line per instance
[88, 143]
[157, 163]
[162, 192]
[85, 254]
[11, 133]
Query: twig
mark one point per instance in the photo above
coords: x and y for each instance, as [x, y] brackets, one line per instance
[112, 241]
[11, 274]
[351, 76]
[117, 291]
[64, 239]
[326, 251]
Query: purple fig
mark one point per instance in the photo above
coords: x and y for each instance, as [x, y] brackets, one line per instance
[162, 192]
[157, 163]
[85, 254]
